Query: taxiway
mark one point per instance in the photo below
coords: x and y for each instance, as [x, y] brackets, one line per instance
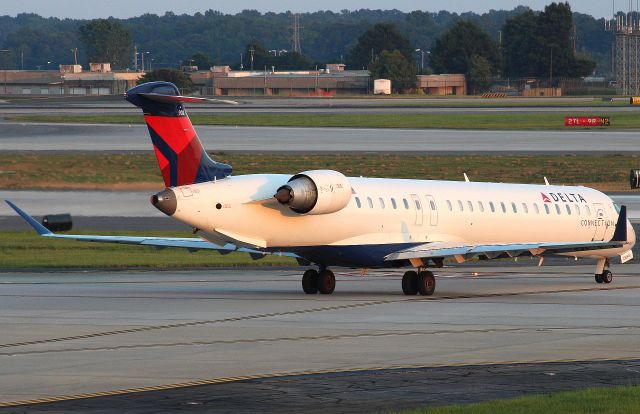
[73, 333]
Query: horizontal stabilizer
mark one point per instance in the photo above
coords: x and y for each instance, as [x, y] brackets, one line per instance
[158, 97]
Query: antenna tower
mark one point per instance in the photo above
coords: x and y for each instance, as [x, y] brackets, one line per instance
[295, 41]
[626, 48]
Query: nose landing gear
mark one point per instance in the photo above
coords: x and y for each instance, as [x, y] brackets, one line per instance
[603, 275]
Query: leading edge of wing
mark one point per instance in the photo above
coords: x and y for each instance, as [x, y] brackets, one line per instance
[160, 242]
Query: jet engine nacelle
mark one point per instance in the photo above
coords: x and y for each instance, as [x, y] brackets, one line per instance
[315, 192]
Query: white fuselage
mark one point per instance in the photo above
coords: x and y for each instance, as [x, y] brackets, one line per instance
[400, 212]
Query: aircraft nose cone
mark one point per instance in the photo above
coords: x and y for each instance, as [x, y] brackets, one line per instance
[165, 201]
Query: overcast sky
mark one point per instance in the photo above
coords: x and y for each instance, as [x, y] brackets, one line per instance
[128, 8]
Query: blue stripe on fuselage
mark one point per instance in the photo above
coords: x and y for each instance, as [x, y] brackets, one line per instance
[365, 255]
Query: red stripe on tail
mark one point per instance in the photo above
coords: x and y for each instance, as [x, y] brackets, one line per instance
[179, 135]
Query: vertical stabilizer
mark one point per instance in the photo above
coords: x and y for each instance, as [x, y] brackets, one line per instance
[181, 157]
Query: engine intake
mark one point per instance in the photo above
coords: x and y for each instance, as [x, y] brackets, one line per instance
[315, 192]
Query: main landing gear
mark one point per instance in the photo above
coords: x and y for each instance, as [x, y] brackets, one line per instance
[323, 281]
[423, 282]
[603, 275]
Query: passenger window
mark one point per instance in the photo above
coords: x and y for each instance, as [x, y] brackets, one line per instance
[493, 208]
[449, 205]
[358, 202]
[535, 207]
[558, 209]
[525, 208]
[588, 210]
[433, 204]
[481, 206]
[470, 206]
[418, 205]
[370, 202]
[577, 209]
[513, 206]
[460, 206]
[568, 209]
[546, 208]
[406, 203]
[381, 202]
[393, 203]
[504, 208]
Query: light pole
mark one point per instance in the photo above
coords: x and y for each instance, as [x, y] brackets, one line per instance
[422, 53]
[5, 53]
[421, 59]
[142, 59]
[75, 55]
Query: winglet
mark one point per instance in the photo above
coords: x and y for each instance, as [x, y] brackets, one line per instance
[42, 230]
[620, 235]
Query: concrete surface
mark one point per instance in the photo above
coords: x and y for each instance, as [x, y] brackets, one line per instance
[363, 391]
[118, 138]
[69, 333]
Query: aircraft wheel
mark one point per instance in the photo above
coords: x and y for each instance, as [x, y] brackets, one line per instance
[310, 282]
[426, 283]
[326, 282]
[410, 283]
[598, 278]
[607, 276]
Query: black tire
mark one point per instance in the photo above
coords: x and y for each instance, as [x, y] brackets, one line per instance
[599, 279]
[410, 283]
[326, 282]
[426, 283]
[310, 282]
[607, 276]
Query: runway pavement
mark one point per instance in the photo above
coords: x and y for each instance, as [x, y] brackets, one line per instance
[362, 105]
[72, 333]
[118, 138]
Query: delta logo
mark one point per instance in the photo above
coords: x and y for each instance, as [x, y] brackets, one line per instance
[564, 197]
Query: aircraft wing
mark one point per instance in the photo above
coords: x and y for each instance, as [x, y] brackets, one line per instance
[192, 244]
[462, 251]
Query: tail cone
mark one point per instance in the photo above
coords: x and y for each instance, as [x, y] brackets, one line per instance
[165, 201]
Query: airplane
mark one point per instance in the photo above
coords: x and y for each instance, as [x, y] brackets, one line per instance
[324, 218]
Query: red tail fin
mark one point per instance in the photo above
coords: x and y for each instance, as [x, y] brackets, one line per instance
[180, 155]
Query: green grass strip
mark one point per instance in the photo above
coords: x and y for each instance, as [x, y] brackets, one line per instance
[485, 121]
[25, 249]
[614, 400]
[126, 171]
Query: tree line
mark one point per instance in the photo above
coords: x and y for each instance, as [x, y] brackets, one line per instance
[514, 43]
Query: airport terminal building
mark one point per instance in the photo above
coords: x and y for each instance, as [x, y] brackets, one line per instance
[333, 80]
[68, 80]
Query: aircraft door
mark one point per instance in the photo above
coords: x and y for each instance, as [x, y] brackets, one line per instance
[600, 222]
[418, 207]
[433, 209]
